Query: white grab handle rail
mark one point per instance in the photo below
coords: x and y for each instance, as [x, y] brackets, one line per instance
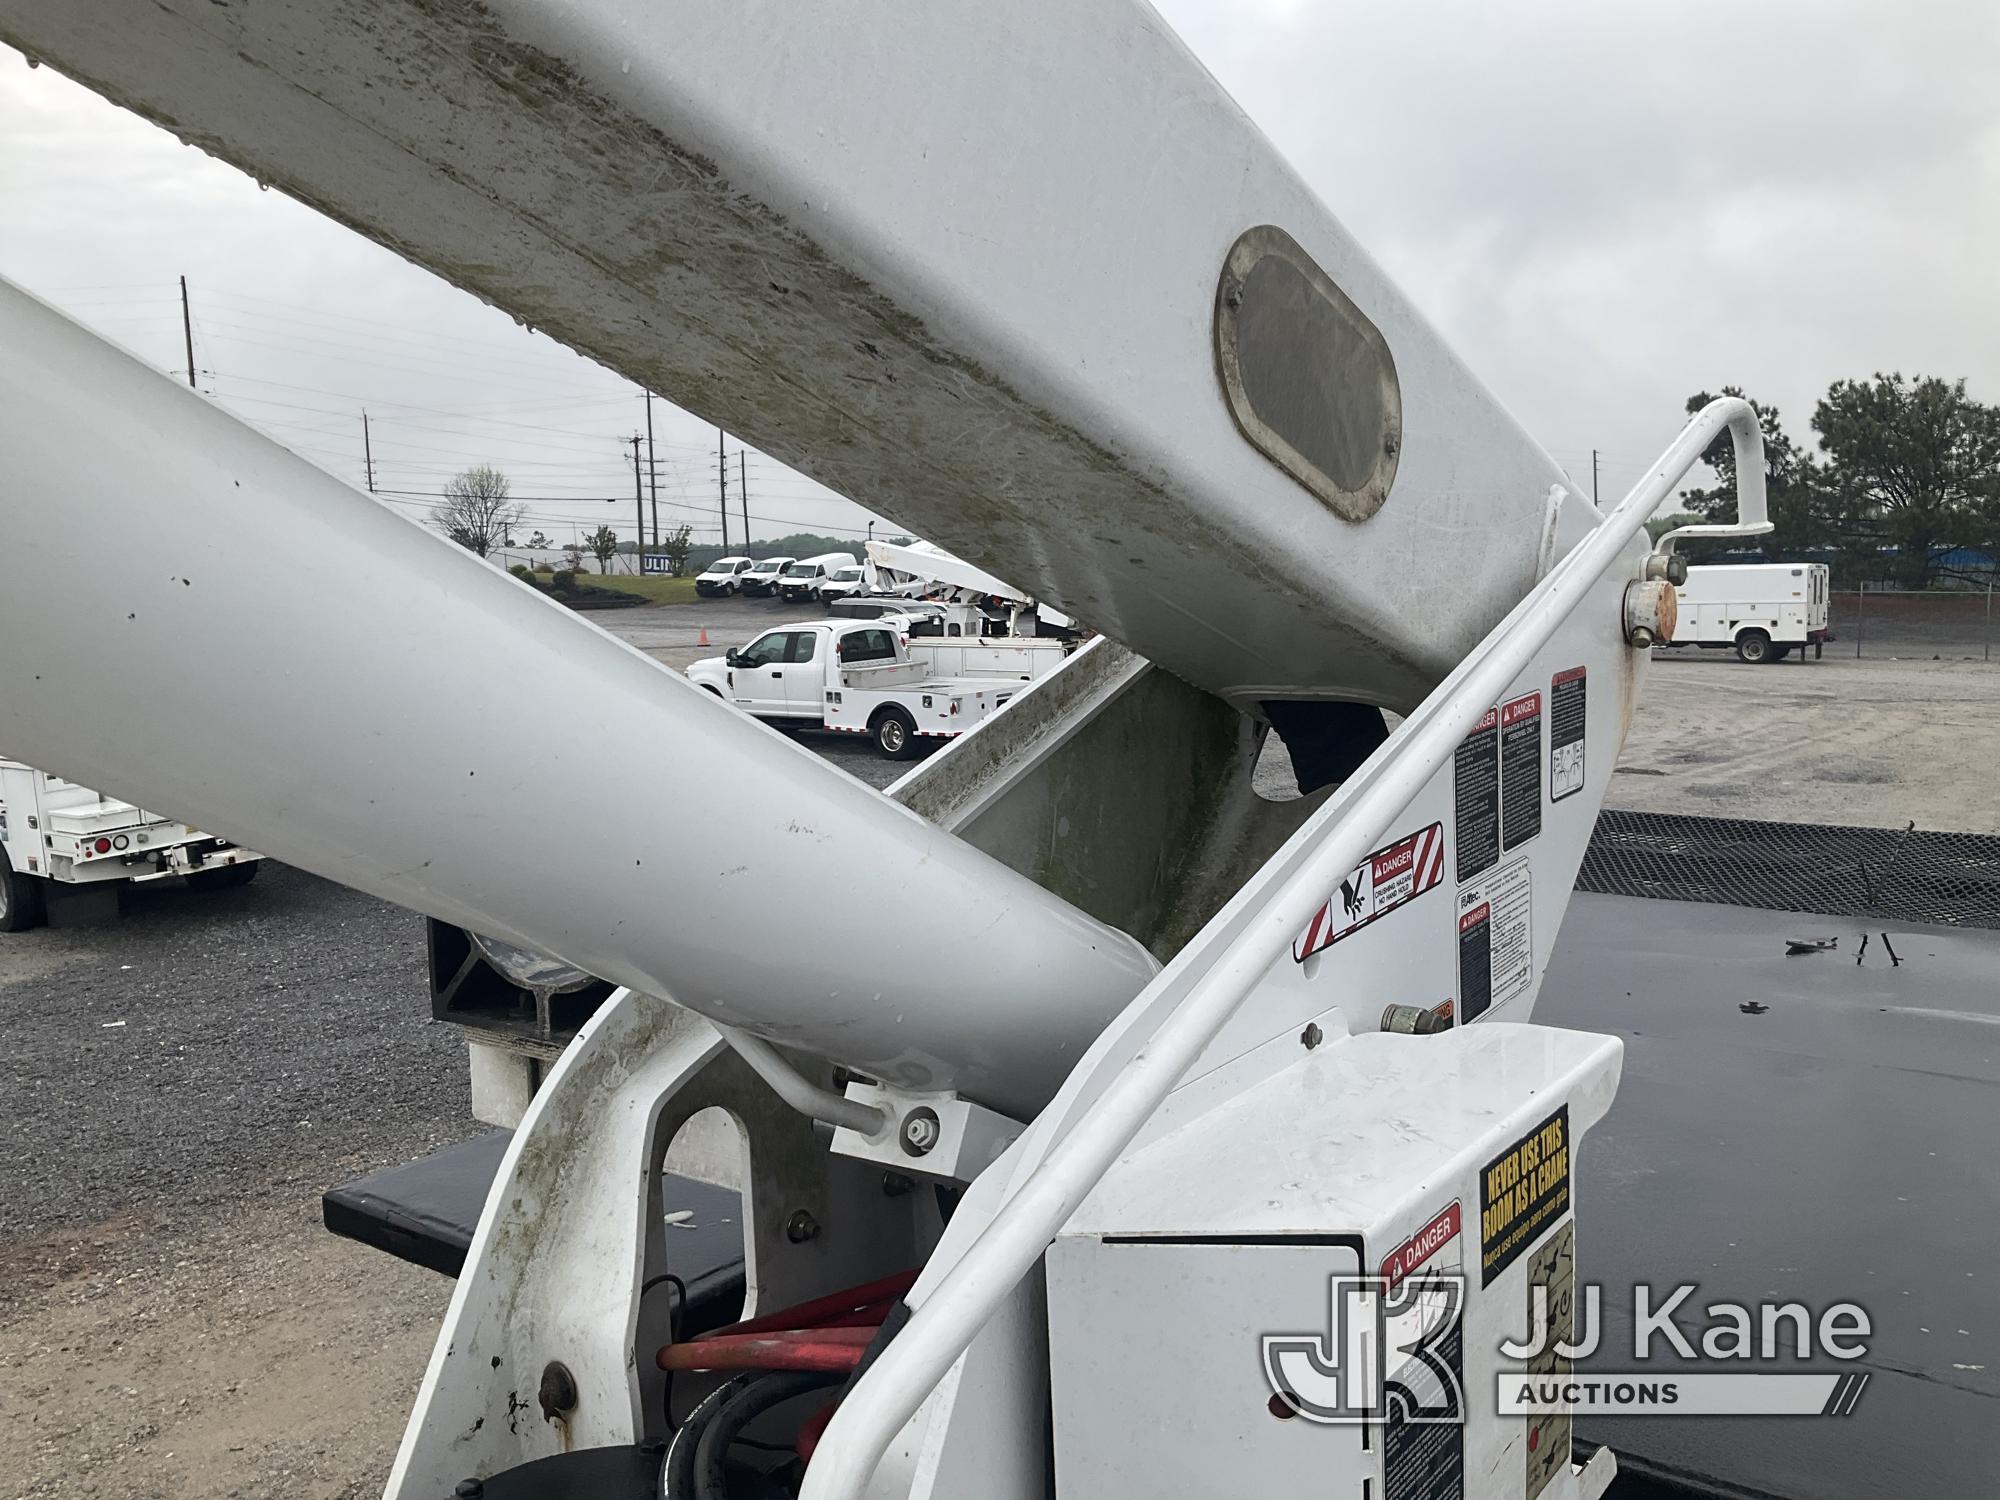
[942, 1328]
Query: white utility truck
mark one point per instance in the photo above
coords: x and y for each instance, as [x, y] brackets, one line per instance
[1762, 611]
[843, 583]
[803, 579]
[851, 677]
[722, 577]
[762, 578]
[54, 832]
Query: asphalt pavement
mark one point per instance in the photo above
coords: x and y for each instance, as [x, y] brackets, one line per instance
[188, 1045]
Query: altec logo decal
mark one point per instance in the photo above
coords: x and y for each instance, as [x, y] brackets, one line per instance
[1387, 879]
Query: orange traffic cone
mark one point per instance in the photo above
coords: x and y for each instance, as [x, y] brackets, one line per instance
[704, 637]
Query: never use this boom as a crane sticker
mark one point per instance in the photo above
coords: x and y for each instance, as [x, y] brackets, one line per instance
[1390, 877]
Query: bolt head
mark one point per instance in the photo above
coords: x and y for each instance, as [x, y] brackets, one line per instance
[921, 1131]
[801, 1227]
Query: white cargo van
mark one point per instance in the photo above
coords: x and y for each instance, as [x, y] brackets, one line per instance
[1761, 611]
[803, 579]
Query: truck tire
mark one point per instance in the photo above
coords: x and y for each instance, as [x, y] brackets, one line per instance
[709, 687]
[222, 878]
[23, 902]
[895, 733]
[1753, 646]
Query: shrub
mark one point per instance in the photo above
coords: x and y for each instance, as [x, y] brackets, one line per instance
[564, 581]
[521, 570]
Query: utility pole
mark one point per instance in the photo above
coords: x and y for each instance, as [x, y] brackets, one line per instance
[367, 453]
[638, 504]
[187, 331]
[743, 494]
[1593, 476]
[652, 469]
[722, 487]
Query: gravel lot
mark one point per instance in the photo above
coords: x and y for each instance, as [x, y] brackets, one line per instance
[171, 1313]
[1871, 743]
[182, 1082]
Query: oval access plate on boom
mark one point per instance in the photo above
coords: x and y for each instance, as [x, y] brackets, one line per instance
[1310, 380]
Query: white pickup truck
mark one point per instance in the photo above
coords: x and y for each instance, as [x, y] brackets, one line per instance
[853, 677]
[54, 832]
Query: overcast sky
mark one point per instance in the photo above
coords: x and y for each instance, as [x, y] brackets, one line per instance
[1605, 207]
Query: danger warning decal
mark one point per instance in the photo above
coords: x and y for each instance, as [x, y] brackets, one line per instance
[1425, 1460]
[1522, 1192]
[1569, 700]
[1520, 770]
[1434, 1242]
[1475, 776]
[1388, 878]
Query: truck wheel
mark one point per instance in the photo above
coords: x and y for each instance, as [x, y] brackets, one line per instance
[708, 687]
[1753, 646]
[895, 734]
[223, 878]
[22, 903]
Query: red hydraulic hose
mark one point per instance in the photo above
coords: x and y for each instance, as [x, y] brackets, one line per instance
[822, 1311]
[834, 1351]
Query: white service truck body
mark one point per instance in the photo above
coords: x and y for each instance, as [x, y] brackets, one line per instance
[853, 677]
[56, 832]
[1761, 611]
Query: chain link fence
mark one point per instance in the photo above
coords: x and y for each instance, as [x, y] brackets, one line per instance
[1922, 623]
[1889, 874]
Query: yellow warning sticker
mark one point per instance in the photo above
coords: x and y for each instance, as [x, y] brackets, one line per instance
[1522, 1192]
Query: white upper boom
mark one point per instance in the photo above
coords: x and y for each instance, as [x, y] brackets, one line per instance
[962, 262]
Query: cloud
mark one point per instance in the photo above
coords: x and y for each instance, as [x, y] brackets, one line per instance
[300, 324]
[1608, 207]
[1603, 206]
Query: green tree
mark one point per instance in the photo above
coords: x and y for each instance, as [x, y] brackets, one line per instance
[1912, 464]
[676, 544]
[603, 543]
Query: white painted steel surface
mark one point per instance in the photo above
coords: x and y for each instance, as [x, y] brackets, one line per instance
[1199, 992]
[960, 259]
[317, 672]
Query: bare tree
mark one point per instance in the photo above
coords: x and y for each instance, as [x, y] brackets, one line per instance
[476, 512]
[604, 543]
